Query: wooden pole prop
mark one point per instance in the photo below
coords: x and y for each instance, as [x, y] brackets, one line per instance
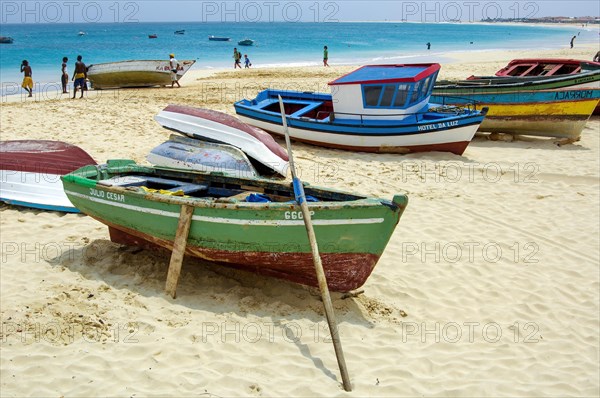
[183, 229]
[301, 200]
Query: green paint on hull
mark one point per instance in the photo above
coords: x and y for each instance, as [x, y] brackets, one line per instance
[361, 225]
[510, 85]
[130, 79]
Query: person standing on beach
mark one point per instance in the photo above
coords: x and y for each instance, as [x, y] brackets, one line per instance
[247, 63]
[237, 57]
[64, 78]
[79, 76]
[573, 40]
[27, 78]
[174, 65]
[325, 56]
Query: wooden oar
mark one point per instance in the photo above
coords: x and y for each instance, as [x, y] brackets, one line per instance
[301, 199]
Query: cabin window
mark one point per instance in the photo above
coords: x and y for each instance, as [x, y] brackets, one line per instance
[388, 95]
[416, 91]
[396, 95]
[371, 95]
[425, 88]
[401, 95]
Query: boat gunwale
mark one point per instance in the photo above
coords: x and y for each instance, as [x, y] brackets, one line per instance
[317, 125]
[479, 84]
[81, 178]
[185, 66]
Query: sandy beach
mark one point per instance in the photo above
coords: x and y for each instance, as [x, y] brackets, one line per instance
[488, 287]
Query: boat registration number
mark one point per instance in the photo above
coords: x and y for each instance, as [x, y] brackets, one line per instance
[117, 197]
[295, 215]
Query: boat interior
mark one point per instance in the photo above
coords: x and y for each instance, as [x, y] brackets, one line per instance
[510, 81]
[319, 110]
[218, 188]
[322, 111]
[542, 69]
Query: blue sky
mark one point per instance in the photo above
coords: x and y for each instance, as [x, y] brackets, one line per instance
[69, 11]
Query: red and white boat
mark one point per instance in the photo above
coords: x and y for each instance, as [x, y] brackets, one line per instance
[209, 125]
[30, 172]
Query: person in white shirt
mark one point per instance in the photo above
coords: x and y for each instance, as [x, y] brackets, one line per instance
[174, 67]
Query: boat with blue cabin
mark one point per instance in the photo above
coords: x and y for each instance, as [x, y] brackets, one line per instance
[376, 108]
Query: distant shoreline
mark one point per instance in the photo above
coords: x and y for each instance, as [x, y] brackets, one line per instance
[520, 22]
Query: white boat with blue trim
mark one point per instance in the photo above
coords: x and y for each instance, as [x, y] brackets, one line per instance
[376, 108]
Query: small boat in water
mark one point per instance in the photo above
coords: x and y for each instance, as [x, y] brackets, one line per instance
[206, 124]
[30, 172]
[215, 38]
[547, 106]
[136, 73]
[246, 42]
[192, 154]
[180, 32]
[251, 224]
[6, 40]
[81, 33]
[153, 36]
[376, 108]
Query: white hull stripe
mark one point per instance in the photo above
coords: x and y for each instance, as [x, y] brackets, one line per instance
[221, 220]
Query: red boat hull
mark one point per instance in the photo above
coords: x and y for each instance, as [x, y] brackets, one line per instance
[42, 156]
[344, 271]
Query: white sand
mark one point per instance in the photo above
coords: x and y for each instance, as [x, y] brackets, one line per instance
[489, 286]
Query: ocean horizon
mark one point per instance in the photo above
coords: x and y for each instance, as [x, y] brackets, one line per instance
[276, 44]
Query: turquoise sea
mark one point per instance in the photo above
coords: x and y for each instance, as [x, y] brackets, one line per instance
[276, 44]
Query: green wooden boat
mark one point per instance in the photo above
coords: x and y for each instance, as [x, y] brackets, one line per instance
[229, 228]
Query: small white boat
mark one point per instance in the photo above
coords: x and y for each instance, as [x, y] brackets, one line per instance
[142, 73]
[81, 33]
[30, 172]
[205, 124]
[192, 154]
